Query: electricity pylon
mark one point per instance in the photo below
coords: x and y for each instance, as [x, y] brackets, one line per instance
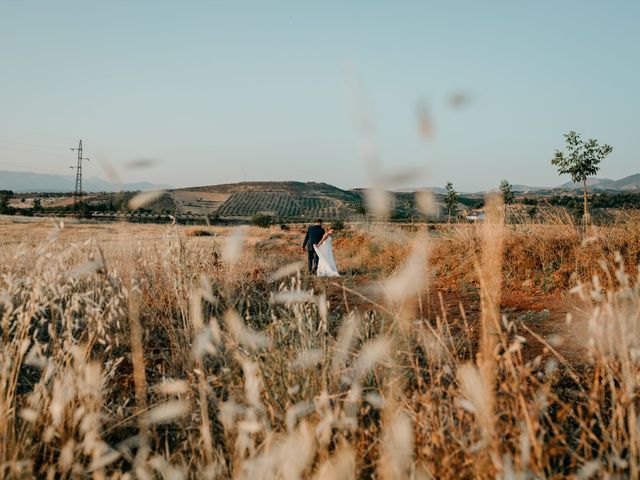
[77, 194]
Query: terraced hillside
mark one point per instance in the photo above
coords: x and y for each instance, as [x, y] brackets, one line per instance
[281, 205]
[164, 204]
[284, 200]
[115, 201]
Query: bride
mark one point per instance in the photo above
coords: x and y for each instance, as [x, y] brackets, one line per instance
[326, 263]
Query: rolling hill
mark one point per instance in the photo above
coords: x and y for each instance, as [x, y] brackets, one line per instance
[630, 183]
[286, 200]
[43, 182]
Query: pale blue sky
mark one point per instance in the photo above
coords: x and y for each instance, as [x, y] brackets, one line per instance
[225, 91]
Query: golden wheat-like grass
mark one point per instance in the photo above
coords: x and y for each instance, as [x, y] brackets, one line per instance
[150, 353]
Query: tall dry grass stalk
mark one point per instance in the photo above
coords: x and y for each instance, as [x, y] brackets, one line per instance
[205, 357]
[489, 269]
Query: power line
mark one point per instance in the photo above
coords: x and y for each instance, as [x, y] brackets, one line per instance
[5, 139]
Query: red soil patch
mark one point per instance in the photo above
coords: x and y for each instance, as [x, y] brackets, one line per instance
[540, 318]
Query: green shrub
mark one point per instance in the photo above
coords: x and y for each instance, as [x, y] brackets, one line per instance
[4, 204]
[263, 221]
[338, 225]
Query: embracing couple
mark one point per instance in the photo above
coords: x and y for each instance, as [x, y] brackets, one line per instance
[318, 245]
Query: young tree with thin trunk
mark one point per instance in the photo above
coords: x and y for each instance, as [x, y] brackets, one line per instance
[408, 208]
[451, 199]
[506, 190]
[581, 161]
[508, 197]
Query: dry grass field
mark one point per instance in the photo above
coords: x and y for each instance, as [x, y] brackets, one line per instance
[462, 351]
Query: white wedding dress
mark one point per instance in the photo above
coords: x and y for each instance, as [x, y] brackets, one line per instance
[326, 262]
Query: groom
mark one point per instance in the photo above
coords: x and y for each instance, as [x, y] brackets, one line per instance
[313, 237]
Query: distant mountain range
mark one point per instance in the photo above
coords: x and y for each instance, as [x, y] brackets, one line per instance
[41, 182]
[628, 184]
[435, 190]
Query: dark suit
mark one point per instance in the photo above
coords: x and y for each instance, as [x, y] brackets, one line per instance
[313, 237]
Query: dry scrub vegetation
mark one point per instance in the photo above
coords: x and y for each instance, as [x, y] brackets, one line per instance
[142, 352]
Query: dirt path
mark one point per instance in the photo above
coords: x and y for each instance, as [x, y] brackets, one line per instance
[542, 319]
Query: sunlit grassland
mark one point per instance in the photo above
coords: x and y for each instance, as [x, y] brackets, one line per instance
[142, 351]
